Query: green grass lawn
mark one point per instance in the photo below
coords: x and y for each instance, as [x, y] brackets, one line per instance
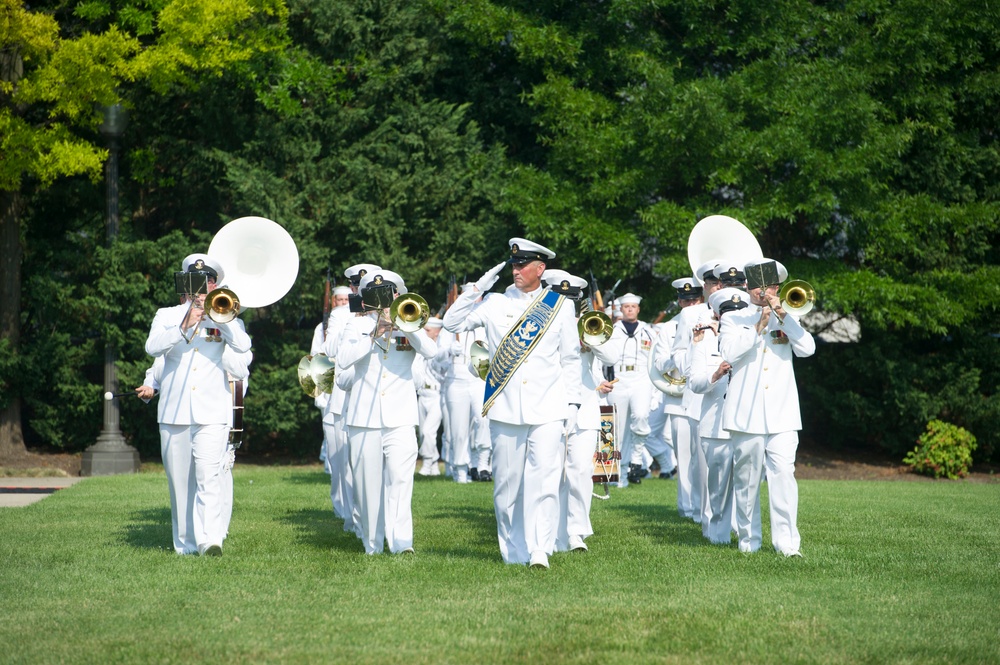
[893, 572]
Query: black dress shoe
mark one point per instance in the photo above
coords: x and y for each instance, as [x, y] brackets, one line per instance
[635, 473]
[667, 475]
[474, 473]
[485, 476]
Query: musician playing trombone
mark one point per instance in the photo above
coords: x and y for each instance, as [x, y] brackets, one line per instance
[761, 408]
[195, 409]
[381, 414]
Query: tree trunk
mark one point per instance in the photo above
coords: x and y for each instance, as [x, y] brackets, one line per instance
[11, 437]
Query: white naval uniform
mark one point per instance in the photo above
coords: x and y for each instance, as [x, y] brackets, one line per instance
[463, 392]
[633, 394]
[381, 419]
[322, 400]
[527, 418]
[716, 441]
[428, 408]
[762, 413]
[677, 421]
[195, 412]
[334, 431]
[576, 491]
[694, 474]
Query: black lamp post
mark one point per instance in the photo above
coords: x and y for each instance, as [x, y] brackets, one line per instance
[111, 455]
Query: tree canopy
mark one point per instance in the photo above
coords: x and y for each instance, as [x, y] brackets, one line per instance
[857, 140]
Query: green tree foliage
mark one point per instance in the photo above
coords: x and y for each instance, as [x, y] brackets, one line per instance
[857, 140]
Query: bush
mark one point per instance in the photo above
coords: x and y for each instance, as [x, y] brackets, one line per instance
[943, 450]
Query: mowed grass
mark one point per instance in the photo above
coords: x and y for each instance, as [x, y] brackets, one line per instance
[893, 572]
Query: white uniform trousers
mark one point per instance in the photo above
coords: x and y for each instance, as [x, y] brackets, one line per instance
[660, 442]
[686, 449]
[632, 396]
[527, 467]
[752, 454]
[576, 488]
[482, 446]
[704, 507]
[719, 466]
[193, 459]
[383, 461]
[464, 409]
[429, 410]
[341, 482]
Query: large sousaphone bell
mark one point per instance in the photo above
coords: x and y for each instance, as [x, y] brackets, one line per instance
[260, 259]
[409, 312]
[718, 237]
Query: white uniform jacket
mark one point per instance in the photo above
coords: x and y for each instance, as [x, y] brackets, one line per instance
[549, 378]
[334, 329]
[705, 359]
[194, 388]
[664, 363]
[633, 352]
[382, 394]
[592, 362]
[762, 397]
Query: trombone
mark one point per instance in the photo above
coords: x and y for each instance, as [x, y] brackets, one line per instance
[797, 297]
[221, 306]
[594, 327]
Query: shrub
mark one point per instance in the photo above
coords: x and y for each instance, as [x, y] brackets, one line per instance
[943, 450]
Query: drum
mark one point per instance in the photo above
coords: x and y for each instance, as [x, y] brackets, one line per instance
[608, 456]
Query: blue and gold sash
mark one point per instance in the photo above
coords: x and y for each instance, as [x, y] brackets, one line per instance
[519, 341]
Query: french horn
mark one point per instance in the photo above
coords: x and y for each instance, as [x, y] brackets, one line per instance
[670, 383]
[316, 374]
[797, 297]
[409, 313]
[479, 357]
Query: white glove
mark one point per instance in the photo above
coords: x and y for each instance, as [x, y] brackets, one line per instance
[491, 277]
[569, 426]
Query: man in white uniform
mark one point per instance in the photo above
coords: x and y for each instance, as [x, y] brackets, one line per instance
[428, 388]
[195, 411]
[762, 407]
[576, 491]
[382, 414]
[632, 395]
[322, 400]
[532, 399]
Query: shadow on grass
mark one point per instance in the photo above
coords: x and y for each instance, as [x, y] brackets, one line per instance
[322, 530]
[309, 478]
[478, 527]
[662, 522]
[150, 529]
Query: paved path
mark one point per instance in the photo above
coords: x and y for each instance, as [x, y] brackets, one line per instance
[16, 492]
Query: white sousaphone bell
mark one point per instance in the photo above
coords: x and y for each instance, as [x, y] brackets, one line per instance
[716, 237]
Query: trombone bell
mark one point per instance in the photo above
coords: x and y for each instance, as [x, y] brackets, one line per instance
[595, 328]
[222, 305]
[797, 297]
[409, 313]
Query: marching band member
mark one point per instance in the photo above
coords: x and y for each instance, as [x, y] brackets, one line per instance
[334, 428]
[762, 407]
[709, 377]
[576, 490]
[683, 426]
[195, 412]
[428, 403]
[532, 396]
[633, 394]
[463, 392]
[322, 400]
[381, 417]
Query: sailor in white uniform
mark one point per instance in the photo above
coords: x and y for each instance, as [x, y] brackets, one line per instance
[537, 396]
[381, 415]
[762, 407]
[428, 386]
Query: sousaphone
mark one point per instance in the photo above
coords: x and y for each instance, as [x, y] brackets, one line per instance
[260, 260]
[721, 238]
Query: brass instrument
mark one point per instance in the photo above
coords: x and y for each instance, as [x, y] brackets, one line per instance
[595, 328]
[480, 358]
[671, 383]
[722, 238]
[409, 313]
[316, 374]
[222, 305]
[797, 297]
